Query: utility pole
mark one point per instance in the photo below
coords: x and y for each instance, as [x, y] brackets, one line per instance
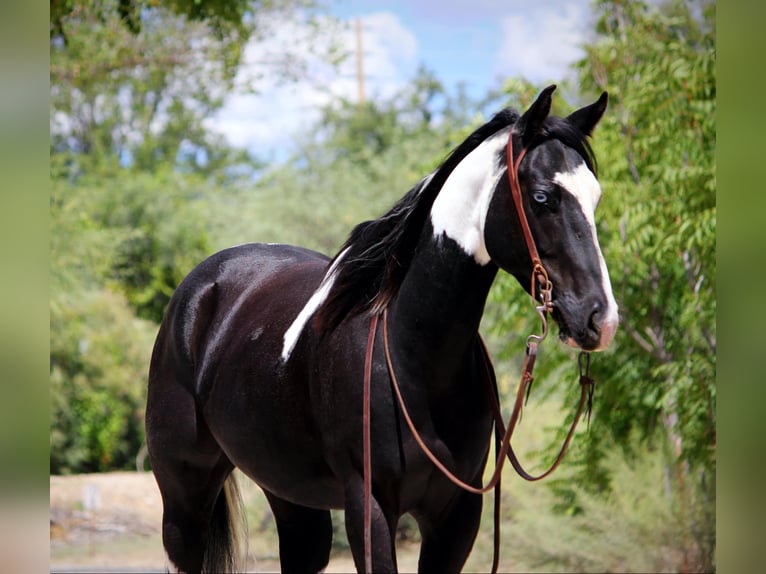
[359, 63]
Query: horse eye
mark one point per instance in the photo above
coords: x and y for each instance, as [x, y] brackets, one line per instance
[539, 197]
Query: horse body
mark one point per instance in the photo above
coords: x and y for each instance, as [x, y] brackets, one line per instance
[277, 420]
[224, 312]
[259, 361]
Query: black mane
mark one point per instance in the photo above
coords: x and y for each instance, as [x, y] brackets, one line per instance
[567, 133]
[377, 254]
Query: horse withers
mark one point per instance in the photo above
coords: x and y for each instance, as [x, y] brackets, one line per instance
[259, 360]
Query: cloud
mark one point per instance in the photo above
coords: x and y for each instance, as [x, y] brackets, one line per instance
[539, 40]
[269, 120]
[542, 43]
[390, 52]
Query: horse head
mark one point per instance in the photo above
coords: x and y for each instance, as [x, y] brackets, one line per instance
[560, 193]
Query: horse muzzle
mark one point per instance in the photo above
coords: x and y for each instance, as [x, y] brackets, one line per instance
[591, 328]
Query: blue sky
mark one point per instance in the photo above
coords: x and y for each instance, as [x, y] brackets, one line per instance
[458, 49]
[476, 42]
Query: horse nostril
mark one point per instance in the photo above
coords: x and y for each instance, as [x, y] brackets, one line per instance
[596, 319]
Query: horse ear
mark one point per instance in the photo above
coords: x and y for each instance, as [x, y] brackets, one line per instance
[586, 118]
[530, 124]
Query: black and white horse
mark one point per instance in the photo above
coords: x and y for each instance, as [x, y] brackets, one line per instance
[259, 361]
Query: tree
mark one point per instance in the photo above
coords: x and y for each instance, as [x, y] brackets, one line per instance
[656, 151]
[361, 132]
[657, 220]
[134, 171]
[352, 165]
[658, 158]
[133, 80]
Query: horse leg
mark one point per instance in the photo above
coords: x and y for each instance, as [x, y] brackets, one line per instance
[194, 478]
[448, 535]
[305, 536]
[383, 530]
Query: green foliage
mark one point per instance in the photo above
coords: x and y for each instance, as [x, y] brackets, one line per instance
[362, 132]
[356, 163]
[656, 149]
[165, 236]
[153, 228]
[120, 244]
[139, 93]
[657, 224]
[99, 354]
[117, 95]
[105, 236]
[645, 523]
[134, 172]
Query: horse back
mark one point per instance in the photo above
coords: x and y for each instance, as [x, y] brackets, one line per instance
[235, 296]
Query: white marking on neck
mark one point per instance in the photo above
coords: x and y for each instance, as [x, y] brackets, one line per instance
[293, 333]
[460, 209]
[584, 186]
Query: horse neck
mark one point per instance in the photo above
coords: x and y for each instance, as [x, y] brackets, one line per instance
[441, 300]
[434, 319]
[439, 305]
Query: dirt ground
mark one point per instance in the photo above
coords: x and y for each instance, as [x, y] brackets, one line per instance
[111, 522]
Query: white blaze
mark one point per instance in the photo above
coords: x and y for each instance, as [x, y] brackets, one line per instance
[584, 186]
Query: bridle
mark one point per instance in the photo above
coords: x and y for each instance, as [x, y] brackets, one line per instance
[503, 448]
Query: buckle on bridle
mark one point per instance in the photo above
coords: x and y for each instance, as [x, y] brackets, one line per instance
[540, 279]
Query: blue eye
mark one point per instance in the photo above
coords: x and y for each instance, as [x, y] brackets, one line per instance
[539, 197]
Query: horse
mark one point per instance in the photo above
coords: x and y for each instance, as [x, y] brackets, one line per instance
[259, 360]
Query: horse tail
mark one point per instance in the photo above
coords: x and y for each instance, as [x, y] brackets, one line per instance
[227, 538]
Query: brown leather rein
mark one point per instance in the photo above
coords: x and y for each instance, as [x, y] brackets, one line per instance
[503, 434]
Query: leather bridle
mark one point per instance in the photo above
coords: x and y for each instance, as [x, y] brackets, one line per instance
[503, 433]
